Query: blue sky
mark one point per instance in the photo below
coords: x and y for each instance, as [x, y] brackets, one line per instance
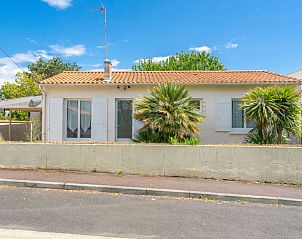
[249, 34]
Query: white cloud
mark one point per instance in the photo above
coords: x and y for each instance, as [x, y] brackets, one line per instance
[8, 69]
[108, 45]
[76, 50]
[28, 57]
[114, 63]
[95, 65]
[155, 59]
[8, 73]
[231, 45]
[205, 49]
[31, 40]
[59, 4]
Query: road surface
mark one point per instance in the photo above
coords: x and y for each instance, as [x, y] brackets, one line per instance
[53, 214]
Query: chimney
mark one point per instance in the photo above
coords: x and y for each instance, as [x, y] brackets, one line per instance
[107, 70]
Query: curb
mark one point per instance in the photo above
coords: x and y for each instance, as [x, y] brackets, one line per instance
[153, 192]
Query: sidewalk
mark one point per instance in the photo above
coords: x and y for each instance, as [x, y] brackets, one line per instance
[171, 183]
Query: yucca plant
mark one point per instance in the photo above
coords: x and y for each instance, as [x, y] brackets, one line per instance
[289, 111]
[274, 109]
[255, 137]
[169, 110]
[259, 105]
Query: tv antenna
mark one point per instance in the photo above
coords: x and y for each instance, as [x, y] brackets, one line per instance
[102, 10]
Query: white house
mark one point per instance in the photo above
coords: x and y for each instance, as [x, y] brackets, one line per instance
[98, 106]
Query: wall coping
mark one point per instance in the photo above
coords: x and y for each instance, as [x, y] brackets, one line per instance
[158, 145]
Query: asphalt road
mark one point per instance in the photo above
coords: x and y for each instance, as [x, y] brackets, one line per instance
[118, 216]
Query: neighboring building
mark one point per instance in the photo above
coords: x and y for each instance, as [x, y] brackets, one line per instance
[93, 106]
[297, 74]
[14, 130]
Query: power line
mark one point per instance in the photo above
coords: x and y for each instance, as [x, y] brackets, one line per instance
[4, 52]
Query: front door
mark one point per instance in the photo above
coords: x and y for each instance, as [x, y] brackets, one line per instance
[123, 119]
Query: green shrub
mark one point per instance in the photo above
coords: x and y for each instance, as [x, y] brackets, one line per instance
[120, 173]
[33, 133]
[1, 139]
[255, 137]
[151, 136]
[169, 109]
[185, 141]
[154, 136]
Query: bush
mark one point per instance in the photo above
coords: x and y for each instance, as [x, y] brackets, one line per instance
[1, 139]
[255, 137]
[151, 136]
[154, 136]
[185, 141]
[170, 110]
[33, 133]
[276, 111]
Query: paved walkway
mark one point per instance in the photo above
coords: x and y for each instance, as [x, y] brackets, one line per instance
[177, 183]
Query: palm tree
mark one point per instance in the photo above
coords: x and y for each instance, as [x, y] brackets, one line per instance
[274, 109]
[289, 111]
[259, 105]
[169, 110]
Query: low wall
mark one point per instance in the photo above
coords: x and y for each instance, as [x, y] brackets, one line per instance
[249, 163]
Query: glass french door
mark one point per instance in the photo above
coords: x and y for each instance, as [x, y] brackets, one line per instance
[123, 119]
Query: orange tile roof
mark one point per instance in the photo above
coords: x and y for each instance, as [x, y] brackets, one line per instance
[154, 77]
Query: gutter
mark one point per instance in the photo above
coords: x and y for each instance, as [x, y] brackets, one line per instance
[43, 113]
[181, 83]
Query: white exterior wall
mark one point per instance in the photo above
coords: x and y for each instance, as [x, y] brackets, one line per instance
[209, 94]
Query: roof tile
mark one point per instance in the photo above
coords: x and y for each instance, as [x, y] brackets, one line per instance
[154, 77]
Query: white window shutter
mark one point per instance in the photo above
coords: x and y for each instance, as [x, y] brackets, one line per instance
[223, 114]
[99, 124]
[55, 126]
[137, 125]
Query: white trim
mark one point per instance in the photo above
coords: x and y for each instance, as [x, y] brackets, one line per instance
[243, 130]
[202, 107]
[240, 130]
[78, 139]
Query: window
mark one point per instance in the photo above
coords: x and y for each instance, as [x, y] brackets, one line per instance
[78, 119]
[238, 116]
[197, 102]
[200, 105]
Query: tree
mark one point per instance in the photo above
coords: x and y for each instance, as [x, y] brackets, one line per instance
[27, 83]
[181, 61]
[170, 111]
[259, 105]
[274, 109]
[289, 111]
[51, 67]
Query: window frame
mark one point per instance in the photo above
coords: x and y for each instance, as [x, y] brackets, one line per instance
[201, 106]
[116, 120]
[245, 129]
[79, 120]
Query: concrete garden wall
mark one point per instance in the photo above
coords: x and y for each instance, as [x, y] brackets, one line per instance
[251, 163]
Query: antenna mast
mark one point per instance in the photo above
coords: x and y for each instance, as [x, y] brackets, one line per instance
[102, 9]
